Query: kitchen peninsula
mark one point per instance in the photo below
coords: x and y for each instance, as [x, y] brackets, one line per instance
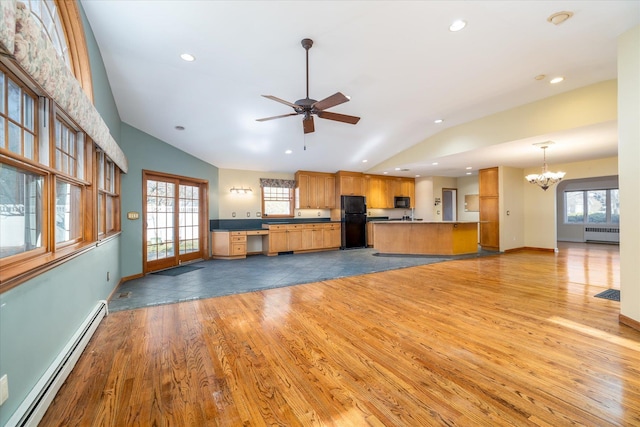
[425, 238]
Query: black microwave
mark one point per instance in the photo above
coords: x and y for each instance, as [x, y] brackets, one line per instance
[402, 202]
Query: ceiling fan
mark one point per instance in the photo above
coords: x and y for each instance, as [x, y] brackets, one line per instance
[308, 107]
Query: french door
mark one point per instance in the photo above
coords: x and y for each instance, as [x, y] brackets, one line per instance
[175, 219]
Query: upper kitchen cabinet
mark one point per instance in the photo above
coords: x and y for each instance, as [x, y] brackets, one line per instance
[315, 190]
[349, 183]
[375, 190]
[380, 190]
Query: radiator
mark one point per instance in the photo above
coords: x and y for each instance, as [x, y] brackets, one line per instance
[34, 406]
[602, 234]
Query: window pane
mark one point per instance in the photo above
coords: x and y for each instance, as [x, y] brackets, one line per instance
[2, 139]
[21, 215]
[14, 101]
[597, 206]
[14, 138]
[28, 146]
[277, 201]
[615, 206]
[574, 203]
[101, 214]
[1, 93]
[28, 112]
[68, 212]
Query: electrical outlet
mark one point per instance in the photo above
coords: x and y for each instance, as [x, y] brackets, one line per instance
[4, 389]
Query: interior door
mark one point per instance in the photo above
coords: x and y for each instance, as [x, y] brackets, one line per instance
[175, 221]
[449, 208]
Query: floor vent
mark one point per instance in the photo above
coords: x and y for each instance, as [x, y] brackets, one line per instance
[602, 234]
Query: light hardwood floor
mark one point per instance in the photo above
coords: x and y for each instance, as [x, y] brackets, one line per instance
[515, 339]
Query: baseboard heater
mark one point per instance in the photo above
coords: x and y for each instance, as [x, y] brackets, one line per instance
[602, 234]
[34, 406]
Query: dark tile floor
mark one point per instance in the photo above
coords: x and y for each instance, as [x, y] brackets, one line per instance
[257, 272]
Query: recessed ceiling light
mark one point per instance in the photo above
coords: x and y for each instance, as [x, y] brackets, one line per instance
[397, 169]
[417, 176]
[559, 17]
[457, 25]
[179, 127]
[468, 173]
[434, 164]
[188, 57]
[288, 152]
[540, 77]
[468, 168]
[385, 172]
[438, 121]
[365, 161]
[556, 80]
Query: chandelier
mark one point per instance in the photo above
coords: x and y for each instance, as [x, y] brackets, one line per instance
[546, 179]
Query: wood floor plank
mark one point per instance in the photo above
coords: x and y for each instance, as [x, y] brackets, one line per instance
[516, 339]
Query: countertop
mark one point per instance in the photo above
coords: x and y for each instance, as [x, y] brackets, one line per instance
[419, 221]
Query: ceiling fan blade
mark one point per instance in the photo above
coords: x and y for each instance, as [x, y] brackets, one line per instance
[307, 124]
[282, 101]
[338, 117]
[276, 117]
[331, 101]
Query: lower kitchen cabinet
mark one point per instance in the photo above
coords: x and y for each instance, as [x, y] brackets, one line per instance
[229, 244]
[301, 237]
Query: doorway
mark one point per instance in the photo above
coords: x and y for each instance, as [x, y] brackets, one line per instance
[449, 204]
[175, 218]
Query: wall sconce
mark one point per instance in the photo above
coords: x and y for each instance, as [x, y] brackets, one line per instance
[437, 201]
[241, 190]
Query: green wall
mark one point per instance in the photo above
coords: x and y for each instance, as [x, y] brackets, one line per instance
[144, 152]
[39, 317]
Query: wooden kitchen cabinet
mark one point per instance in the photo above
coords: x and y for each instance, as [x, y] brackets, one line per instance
[331, 236]
[376, 192]
[380, 190]
[315, 190]
[312, 236]
[294, 237]
[349, 184]
[489, 200]
[303, 237]
[276, 240]
[370, 234]
[229, 244]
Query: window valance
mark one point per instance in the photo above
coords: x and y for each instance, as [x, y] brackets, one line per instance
[7, 26]
[35, 54]
[277, 183]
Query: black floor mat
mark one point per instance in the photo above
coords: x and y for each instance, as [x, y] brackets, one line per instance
[177, 270]
[611, 294]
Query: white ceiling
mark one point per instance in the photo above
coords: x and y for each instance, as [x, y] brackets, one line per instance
[397, 61]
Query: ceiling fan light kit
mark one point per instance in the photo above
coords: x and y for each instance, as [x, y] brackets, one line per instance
[309, 107]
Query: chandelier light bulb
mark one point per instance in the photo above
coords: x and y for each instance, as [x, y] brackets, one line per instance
[546, 179]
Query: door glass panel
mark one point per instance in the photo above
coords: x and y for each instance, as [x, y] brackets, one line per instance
[189, 202]
[159, 219]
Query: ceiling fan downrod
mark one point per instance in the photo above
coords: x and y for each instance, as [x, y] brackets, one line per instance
[306, 44]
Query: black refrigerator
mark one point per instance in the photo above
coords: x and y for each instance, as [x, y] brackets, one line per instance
[354, 222]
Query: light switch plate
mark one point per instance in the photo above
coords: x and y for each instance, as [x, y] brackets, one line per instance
[133, 215]
[4, 389]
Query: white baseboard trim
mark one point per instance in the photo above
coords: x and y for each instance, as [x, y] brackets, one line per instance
[34, 406]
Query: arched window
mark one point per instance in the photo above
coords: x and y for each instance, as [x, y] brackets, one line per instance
[61, 22]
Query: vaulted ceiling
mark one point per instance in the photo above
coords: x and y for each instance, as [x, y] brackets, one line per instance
[397, 60]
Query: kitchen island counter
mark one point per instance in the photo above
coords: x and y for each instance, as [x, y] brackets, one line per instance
[426, 237]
